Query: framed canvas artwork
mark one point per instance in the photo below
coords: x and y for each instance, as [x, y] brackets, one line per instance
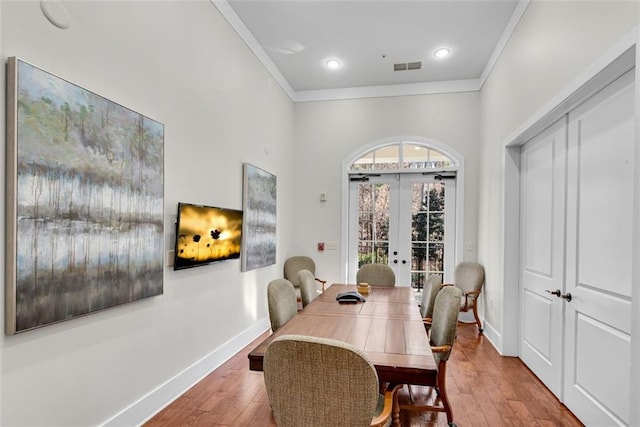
[259, 224]
[85, 200]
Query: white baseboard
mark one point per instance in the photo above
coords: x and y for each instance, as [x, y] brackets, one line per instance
[142, 410]
[492, 335]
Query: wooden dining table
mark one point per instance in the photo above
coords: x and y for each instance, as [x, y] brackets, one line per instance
[387, 327]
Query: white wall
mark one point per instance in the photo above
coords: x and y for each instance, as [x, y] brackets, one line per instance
[181, 64]
[328, 132]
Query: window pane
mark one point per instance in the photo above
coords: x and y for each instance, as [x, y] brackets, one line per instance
[373, 223]
[420, 157]
[414, 156]
[365, 197]
[365, 228]
[419, 227]
[381, 225]
[436, 257]
[387, 157]
[436, 197]
[436, 227]
[439, 160]
[365, 253]
[419, 256]
[363, 163]
[381, 209]
[381, 253]
[417, 280]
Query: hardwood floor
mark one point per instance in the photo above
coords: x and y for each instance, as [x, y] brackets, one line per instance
[485, 389]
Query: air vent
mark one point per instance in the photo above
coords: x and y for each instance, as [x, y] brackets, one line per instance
[403, 66]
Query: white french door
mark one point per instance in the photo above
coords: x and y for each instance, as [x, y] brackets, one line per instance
[576, 227]
[599, 255]
[405, 220]
[542, 216]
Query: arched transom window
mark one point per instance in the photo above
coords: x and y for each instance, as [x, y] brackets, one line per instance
[403, 155]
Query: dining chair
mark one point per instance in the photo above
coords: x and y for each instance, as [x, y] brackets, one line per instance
[308, 290]
[469, 277]
[376, 275]
[429, 292]
[322, 382]
[294, 264]
[441, 338]
[281, 298]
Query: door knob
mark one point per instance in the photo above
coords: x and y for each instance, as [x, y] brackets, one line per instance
[404, 261]
[395, 261]
[567, 297]
[556, 292]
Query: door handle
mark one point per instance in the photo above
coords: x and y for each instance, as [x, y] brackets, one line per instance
[556, 293]
[404, 261]
[395, 261]
[567, 297]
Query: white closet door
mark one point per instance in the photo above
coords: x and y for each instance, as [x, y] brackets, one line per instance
[599, 255]
[542, 206]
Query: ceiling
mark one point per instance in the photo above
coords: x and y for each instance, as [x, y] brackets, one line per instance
[294, 38]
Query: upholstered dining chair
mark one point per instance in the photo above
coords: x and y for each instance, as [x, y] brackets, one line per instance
[429, 292]
[308, 290]
[469, 277]
[376, 275]
[322, 382]
[294, 264]
[281, 298]
[441, 338]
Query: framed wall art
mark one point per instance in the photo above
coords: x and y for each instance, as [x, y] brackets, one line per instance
[259, 224]
[85, 200]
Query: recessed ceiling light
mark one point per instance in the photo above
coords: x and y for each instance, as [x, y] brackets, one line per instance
[333, 64]
[443, 52]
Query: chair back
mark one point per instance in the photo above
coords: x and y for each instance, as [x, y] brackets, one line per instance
[296, 263]
[320, 382]
[429, 292]
[307, 287]
[376, 275]
[445, 320]
[469, 276]
[283, 303]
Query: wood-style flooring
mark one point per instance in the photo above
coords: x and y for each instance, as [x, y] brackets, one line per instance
[485, 389]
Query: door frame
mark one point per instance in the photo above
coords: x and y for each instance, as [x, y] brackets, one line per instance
[613, 64]
[418, 140]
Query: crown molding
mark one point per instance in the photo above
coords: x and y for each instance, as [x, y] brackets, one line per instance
[388, 90]
[236, 23]
[521, 7]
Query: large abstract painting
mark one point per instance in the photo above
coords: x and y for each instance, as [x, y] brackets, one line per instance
[85, 184]
[259, 226]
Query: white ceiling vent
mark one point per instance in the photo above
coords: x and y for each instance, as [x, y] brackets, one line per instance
[403, 66]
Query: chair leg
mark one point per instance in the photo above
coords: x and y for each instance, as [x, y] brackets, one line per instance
[442, 376]
[475, 314]
[395, 413]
